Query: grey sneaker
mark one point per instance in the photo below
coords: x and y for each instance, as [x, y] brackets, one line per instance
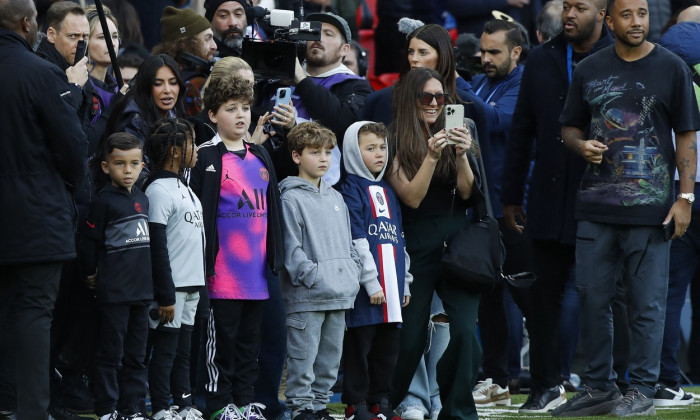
[589, 402]
[634, 403]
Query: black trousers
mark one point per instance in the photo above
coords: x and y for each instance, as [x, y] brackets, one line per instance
[233, 344]
[553, 263]
[169, 367]
[369, 356]
[120, 370]
[493, 324]
[27, 296]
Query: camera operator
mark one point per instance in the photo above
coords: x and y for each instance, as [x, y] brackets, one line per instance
[325, 90]
[188, 38]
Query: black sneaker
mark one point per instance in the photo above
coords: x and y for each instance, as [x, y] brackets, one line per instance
[305, 415]
[8, 415]
[383, 410]
[543, 400]
[589, 402]
[634, 403]
[323, 414]
[667, 396]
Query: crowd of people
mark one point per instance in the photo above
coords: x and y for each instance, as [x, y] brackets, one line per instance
[182, 230]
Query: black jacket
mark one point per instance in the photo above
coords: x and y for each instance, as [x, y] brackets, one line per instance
[43, 151]
[81, 97]
[536, 131]
[336, 108]
[205, 181]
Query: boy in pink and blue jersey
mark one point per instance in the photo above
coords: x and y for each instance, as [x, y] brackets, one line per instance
[236, 183]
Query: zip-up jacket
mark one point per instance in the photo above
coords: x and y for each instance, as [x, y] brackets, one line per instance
[115, 244]
[205, 181]
[43, 151]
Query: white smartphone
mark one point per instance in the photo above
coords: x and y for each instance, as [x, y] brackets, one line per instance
[284, 95]
[454, 117]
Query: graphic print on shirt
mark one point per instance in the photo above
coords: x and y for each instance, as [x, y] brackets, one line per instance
[128, 232]
[634, 171]
[242, 230]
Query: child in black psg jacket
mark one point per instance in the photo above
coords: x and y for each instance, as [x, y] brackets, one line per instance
[115, 250]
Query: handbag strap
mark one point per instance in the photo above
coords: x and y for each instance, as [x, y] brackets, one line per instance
[483, 207]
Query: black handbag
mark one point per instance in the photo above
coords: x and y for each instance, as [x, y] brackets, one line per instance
[473, 256]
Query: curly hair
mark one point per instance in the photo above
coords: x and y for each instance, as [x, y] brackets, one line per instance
[310, 134]
[175, 49]
[165, 134]
[230, 86]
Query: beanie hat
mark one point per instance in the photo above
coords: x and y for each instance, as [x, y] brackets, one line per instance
[211, 7]
[181, 23]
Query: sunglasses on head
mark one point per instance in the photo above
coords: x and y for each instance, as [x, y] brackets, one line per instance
[426, 98]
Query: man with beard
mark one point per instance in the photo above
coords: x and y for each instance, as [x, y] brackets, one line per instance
[44, 153]
[497, 91]
[325, 90]
[188, 38]
[552, 187]
[621, 107]
[229, 23]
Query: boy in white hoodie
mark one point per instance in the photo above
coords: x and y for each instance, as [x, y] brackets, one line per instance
[371, 345]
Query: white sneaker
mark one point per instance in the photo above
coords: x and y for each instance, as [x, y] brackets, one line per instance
[230, 412]
[668, 397]
[253, 411]
[169, 414]
[411, 412]
[190, 413]
[114, 415]
[488, 394]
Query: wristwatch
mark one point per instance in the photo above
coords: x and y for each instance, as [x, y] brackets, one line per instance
[689, 197]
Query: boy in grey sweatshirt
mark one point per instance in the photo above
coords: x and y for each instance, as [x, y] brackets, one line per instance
[321, 276]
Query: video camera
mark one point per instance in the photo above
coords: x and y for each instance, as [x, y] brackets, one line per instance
[276, 58]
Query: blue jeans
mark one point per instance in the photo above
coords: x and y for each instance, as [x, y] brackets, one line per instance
[641, 254]
[683, 264]
[424, 392]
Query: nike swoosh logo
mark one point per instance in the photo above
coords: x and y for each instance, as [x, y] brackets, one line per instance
[678, 394]
[90, 224]
[185, 396]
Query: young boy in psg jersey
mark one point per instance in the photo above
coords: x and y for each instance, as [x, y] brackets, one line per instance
[116, 260]
[237, 186]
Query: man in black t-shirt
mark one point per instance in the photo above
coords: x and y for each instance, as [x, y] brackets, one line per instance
[628, 98]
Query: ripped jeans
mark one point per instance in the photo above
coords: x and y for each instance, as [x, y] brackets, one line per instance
[424, 392]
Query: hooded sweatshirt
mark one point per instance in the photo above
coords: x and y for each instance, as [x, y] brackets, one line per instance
[377, 233]
[322, 269]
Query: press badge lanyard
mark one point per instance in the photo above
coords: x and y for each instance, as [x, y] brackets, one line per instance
[569, 54]
[492, 92]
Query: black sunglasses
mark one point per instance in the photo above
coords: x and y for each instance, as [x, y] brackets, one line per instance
[426, 98]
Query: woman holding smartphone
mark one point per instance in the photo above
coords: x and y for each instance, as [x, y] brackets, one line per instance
[425, 171]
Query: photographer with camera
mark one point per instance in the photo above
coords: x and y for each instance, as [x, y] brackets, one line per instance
[325, 90]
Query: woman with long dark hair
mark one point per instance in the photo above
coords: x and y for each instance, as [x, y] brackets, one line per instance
[428, 174]
[155, 94]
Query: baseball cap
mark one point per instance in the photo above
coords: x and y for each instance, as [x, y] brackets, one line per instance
[332, 19]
